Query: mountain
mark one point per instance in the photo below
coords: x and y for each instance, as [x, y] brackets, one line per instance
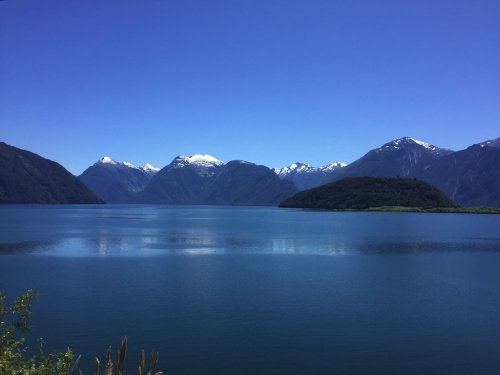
[470, 177]
[491, 143]
[202, 179]
[360, 193]
[244, 183]
[117, 182]
[26, 177]
[184, 181]
[304, 176]
[400, 157]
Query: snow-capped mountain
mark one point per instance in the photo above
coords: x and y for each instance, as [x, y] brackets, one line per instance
[146, 168]
[332, 166]
[491, 143]
[294, 168]
[470, 176]
[406, 143]
[203, 179]
[400, 157]
[305, 176]
[204, 165]
[117, 182]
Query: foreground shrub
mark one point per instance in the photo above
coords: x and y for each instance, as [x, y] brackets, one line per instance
[15, 360]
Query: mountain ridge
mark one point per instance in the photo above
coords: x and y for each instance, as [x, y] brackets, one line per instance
[26, 177]
[470, 176]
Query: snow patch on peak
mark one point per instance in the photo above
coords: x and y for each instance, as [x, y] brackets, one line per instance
[205, 165]
[198, 160]
[150, 168]
[107, 160]
[424, 144]
[295, 168]
[303, 168]
[204, 159]
[130, 165]
[333, 166]
[397, 143]
[491, 143]
[299, 167]
[147, 168]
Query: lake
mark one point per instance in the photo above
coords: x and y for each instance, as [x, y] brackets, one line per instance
[261, 290]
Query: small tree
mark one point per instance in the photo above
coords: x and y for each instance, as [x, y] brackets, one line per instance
[13, 350]
[14, 358]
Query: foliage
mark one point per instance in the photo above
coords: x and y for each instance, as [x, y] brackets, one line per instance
[14, 358]
[361, 193]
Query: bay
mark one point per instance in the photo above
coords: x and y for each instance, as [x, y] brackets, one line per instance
[261, 290]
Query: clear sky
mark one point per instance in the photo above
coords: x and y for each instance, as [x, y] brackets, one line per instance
[268, 81]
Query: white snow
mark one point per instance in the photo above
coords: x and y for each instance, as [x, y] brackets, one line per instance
[425, 144]
[205, 165]
[107, 160]
[147, 168]
[303, 168]
[204, 160]
[130, 165]
[199, 160]
[150, 168]
[333, 166]
[408, 140]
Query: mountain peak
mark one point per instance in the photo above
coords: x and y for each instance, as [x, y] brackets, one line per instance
[409, 141]
[333, 166]
[202, 160]
[300, 168]
[150, 168]
[205, 165]
[491, 143]
[130, 165]
[107, 160]
[146, 168]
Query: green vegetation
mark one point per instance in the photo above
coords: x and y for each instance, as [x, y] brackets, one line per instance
[15, 360]
[361, 193]
[456, 210]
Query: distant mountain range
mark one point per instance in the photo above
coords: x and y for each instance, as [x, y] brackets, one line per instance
[28, 178]
[117, 182]
[470, 177]
[304, 176]
[197, 179]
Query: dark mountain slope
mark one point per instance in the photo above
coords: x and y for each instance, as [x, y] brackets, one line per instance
[401, 157]
[201, 179]
[26, 177]
[243, 183]
[116, 182]
[177, 185]
[470, 177]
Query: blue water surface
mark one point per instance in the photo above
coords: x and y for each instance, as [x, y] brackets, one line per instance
[260, 290]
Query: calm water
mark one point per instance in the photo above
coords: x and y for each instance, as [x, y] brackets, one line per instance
[225, 290]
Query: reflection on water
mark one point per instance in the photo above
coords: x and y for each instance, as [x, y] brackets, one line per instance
[156, 230]
[25, 247]
[361, 308]
[148, 246]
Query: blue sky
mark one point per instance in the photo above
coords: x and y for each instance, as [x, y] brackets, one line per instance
[271, 82]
